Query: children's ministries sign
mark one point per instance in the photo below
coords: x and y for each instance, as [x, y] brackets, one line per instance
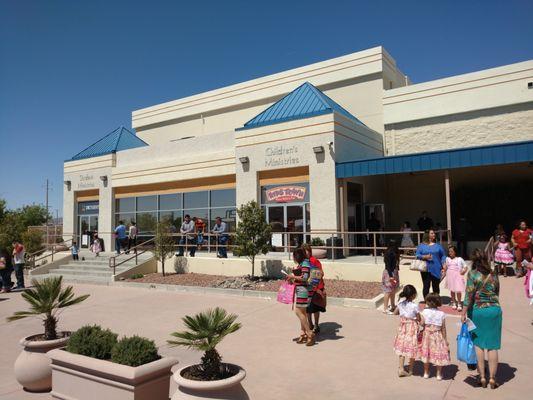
[286, 194]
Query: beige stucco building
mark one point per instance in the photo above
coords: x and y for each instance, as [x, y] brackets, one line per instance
[320, 147]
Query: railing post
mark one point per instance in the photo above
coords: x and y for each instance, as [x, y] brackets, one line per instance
[332, 248]
[375, 250]
[53, 249]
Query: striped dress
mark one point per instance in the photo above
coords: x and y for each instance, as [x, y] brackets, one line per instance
[302, 290]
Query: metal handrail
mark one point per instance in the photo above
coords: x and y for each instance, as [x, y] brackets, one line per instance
[32, 257]
[113, 260]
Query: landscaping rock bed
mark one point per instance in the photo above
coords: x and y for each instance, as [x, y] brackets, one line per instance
[334, 287]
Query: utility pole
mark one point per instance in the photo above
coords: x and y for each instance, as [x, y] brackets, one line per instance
[47, 189]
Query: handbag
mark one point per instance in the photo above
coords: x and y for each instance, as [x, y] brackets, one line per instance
[320, 298]
[286, 293]
[419, 265]
[465, 346]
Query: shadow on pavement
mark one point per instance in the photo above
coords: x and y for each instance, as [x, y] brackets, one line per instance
[505, 374]
[329, 331]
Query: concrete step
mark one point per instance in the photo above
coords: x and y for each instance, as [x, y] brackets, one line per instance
[82, 267]
[75, 272]
[94, 280]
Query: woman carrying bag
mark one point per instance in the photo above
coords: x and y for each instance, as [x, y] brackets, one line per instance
[482, 289]
[433, 254]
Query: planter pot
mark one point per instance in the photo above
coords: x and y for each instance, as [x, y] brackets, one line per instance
[319, 253]
[33, 368]
[77, 377]
[229, 388]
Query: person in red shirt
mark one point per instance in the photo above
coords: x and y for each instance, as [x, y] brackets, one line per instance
[521, 239]
[318, 299]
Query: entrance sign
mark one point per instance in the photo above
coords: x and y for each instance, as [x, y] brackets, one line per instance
[286, 194]
[277, 239]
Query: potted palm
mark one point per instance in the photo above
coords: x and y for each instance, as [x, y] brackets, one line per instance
[46, 298]
[221, 380]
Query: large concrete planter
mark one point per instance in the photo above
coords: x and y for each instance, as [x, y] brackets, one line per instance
[229, 388]
[77, 377]
[33, 368]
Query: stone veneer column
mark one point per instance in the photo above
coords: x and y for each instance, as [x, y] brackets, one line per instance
[246, 184]
[106, 216]
[323, 199]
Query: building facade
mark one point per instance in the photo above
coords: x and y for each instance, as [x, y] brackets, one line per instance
[320, 147]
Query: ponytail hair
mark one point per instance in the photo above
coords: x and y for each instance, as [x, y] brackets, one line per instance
[408, 293]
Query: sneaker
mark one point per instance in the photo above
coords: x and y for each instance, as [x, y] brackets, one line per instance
[454, 306]
[439, 377]
[426, 376]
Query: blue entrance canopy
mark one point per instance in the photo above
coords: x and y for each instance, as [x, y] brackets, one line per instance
[508, 153]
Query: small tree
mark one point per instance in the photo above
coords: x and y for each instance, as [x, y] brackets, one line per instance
[46, 299]
[32, 241]
[253, 232]
[163, 243]
[205, 331]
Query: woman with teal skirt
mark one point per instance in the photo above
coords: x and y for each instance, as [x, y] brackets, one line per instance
[481, 302]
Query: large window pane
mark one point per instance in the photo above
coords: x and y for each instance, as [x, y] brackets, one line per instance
[170, 201]
[147, 203]
[174, 217]
[223, 198]
[124, 217]
[228, 215]
[125, 205]
[195, 200]
[146, 223]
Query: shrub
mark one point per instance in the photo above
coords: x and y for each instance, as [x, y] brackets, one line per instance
[134, 351]
[316, 241]
[137, 276]
[92, 341]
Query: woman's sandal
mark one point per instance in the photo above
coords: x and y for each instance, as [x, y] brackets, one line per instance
[493, 384]
[302, 339]
[310, 340]
[483, 382]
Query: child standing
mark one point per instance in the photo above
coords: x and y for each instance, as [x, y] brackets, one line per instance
[434, 348]
[96, 247]
[454, 270]
[74, 250]
[406, 341]
[503, 256]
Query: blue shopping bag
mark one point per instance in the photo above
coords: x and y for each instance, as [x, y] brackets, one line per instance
[465, 346]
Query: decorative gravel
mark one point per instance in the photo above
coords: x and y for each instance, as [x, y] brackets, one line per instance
[334, 287]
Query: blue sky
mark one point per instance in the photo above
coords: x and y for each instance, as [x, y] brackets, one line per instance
[72, 71]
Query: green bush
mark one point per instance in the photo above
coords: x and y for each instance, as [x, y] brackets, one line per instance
[134, 351]
[137, 276]
[316, 241]
[92, 341]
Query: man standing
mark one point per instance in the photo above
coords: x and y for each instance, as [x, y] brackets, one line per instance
[19, 255]
[220, 230]
[120, 236]
[424, 222]
[188, 236]
[132, 237]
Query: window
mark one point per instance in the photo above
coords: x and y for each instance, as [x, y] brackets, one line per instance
[228, 215]
[195, 200]
[173, 217]
[223, 198]
[147, 203]
[125, 217]
[170, 201]
[125, 205]
[146, 223]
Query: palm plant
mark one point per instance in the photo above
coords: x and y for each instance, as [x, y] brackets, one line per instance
[46, 299]
[205, 331]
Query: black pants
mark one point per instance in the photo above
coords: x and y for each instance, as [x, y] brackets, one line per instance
[132, 242]
[75, 257]
[19, 274]
[429, 280]
[5, 274]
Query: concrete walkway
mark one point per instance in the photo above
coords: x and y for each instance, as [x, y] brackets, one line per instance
[354, 358]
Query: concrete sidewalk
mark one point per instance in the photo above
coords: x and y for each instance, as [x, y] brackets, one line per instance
[353, 359]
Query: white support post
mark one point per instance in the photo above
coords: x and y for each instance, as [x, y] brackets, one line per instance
[448, 205]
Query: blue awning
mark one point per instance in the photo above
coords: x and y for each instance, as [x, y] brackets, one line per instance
[508, 153]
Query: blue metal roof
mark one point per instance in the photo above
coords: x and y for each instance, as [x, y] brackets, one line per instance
[508, 153]
[303, 102]
[120, 139]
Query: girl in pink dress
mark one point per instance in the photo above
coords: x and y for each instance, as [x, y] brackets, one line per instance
[454, 269]
[406, 341]
[503, 256]
[434, 348]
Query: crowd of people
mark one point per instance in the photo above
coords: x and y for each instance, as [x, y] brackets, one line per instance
[474, 293]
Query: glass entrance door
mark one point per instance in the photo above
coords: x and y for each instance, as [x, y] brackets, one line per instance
[289, 224]
[88, 226]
